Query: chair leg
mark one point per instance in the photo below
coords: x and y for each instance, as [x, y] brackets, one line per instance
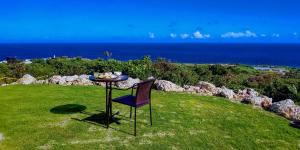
[130, 112]
[150, 114]
[134, 121]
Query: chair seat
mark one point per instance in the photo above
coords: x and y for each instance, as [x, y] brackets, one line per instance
[130, 101]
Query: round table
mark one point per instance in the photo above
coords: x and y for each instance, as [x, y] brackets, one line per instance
[108, 91]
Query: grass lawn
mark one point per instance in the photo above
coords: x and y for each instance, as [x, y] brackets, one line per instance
[33, 117]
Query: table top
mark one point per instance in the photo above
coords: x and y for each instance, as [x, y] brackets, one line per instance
[118, 79]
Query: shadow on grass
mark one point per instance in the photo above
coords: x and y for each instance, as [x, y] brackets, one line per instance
[100, 119]
[295, 124]
[68, 109]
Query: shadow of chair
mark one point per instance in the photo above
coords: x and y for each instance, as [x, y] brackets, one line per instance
[68, 109]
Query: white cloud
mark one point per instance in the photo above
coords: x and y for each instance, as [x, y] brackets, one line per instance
[151, 35]
[247, 34]
[275, 35]
[199, 35]
[184, 36]
[295, 34]
[263, 35]
[173, 35]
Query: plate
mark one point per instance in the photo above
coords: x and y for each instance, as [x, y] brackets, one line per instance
[107, 77]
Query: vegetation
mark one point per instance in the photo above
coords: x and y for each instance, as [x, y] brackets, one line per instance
[48, 117]
[278, 86]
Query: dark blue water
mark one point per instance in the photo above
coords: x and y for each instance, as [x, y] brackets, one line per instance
[252, 54]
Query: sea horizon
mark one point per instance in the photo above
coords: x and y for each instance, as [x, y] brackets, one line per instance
[271, 54]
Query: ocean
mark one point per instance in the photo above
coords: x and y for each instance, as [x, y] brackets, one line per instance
[251, 54]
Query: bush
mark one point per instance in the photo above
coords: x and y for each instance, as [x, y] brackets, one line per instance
[139, 68]
[280, 90]
[66, 66]
[41, 71]
[177, 73]
[204, 73]
[218, 70]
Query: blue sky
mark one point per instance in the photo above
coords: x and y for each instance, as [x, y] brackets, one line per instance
[150, 21]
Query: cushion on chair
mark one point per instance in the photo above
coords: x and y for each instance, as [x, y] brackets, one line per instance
[130, 101]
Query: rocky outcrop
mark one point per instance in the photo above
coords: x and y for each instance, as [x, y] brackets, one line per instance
[83, 80]
[206, 86]
[42, 82]
[264, 101]
[168, 86]
[197, 90]
[71, 80]
[202, 88]
[225, 92]
[1, 137]
[127, 83]
[4, 84]
[245, 94]
[287, 108]
[56, 80]
[26, 79]
[250, 96]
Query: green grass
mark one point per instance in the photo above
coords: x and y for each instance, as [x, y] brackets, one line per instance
[180, 121]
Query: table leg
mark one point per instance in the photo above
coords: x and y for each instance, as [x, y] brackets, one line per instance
[111, 115]
[110, 99]
[107, 105]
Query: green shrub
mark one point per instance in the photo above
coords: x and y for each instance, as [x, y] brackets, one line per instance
[204, 73]
[67, 66]
[218, 69]
[41, 71]
[280, 90]
[4, 70]
[177, 73]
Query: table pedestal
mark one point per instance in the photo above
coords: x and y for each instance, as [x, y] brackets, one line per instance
[109, 115]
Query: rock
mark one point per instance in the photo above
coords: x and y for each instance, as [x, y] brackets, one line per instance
[14, 83]
[55, 79]
[167, 86]
[70, 78]
[127, 83]
[84, 80]
[40, 82]
[246, 94]
[225, 92]
[149, 78]
[198, 90]
[264, 101]
[207, 86]
[287, 108]
[1, 137]
[63, 81]
[251, 92]
[191, 89]
[202, 88]
[250, 96]
[26, 79]
[4, 84]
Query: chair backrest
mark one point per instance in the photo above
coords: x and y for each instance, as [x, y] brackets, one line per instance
[143, 92]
